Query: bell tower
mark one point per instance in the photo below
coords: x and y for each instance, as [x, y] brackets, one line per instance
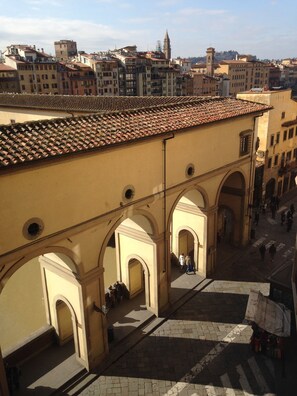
[166, 46]
[210, 61]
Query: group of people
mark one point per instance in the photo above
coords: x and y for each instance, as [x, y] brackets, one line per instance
[285, 216]
[186, 264]
[267, 343]
[115, 294]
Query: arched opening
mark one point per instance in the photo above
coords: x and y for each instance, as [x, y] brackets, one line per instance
[64, 319]
[130, 263]
[186, 243]
[136, 278]
[35, 317]
[225, 224]
[230, 215]
[188, 232]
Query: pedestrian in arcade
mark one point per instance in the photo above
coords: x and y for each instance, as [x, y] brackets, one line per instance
[189, 265]
[283, 218]
[257, 217]
[272, 251]
[262, 250]
[289, 223]
[181, 260]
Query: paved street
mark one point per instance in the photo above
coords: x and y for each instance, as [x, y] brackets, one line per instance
[202, 347]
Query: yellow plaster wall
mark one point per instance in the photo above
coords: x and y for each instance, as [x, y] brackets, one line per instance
[6, 115]
[22, 306]
[66, 193]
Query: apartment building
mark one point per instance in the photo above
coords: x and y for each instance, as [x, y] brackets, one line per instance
[128, 76]
[65, 49]
[37, 71]
[277, 152]
[9, 80]
[163, 75]
[106, 69]
[184, 65]
[245, 74]
[75, 78]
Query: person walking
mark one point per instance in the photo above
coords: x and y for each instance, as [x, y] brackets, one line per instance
[289, 223]
[262, 250]
[292, 208]
[188, 263]
[257, 217]
[272, 251]
[181, 260]
[283, 218]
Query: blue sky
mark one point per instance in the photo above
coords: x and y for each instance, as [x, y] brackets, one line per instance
[265, 28]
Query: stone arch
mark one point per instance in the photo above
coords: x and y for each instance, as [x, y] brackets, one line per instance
[231, 200]
[73, 261]
[193, 251]
[61, 283]
[62, 327]
[189, 213]
[150, 218]
[134, 236]
[53, 261]
[146, 276]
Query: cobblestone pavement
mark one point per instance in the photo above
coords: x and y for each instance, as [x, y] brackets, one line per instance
[203, 348]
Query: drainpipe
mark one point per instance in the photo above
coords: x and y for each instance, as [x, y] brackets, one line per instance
[164, 199]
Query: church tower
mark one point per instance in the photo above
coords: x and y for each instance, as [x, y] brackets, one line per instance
[210, 61]
[167, 47]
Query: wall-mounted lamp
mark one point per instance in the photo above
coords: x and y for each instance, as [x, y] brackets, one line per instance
[102, 310]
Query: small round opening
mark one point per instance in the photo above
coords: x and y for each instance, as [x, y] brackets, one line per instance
[190, 170]
[129, 193]
[33, 229]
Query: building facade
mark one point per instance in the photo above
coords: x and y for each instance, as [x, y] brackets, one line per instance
[245, 74]
[36, 70]
[277, 131]
[75, 78]
[85, 197]
[9, 79]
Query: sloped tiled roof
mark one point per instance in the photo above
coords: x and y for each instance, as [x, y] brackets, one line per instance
[89, 104]
[38, 140]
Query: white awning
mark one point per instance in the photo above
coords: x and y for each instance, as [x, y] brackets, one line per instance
[268, 315]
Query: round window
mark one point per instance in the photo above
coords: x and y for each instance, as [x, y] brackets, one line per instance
[128, 193]
[33, 228]
[190, 170]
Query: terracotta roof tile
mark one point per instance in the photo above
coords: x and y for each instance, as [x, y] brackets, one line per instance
[26, 142]
[89, 104]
